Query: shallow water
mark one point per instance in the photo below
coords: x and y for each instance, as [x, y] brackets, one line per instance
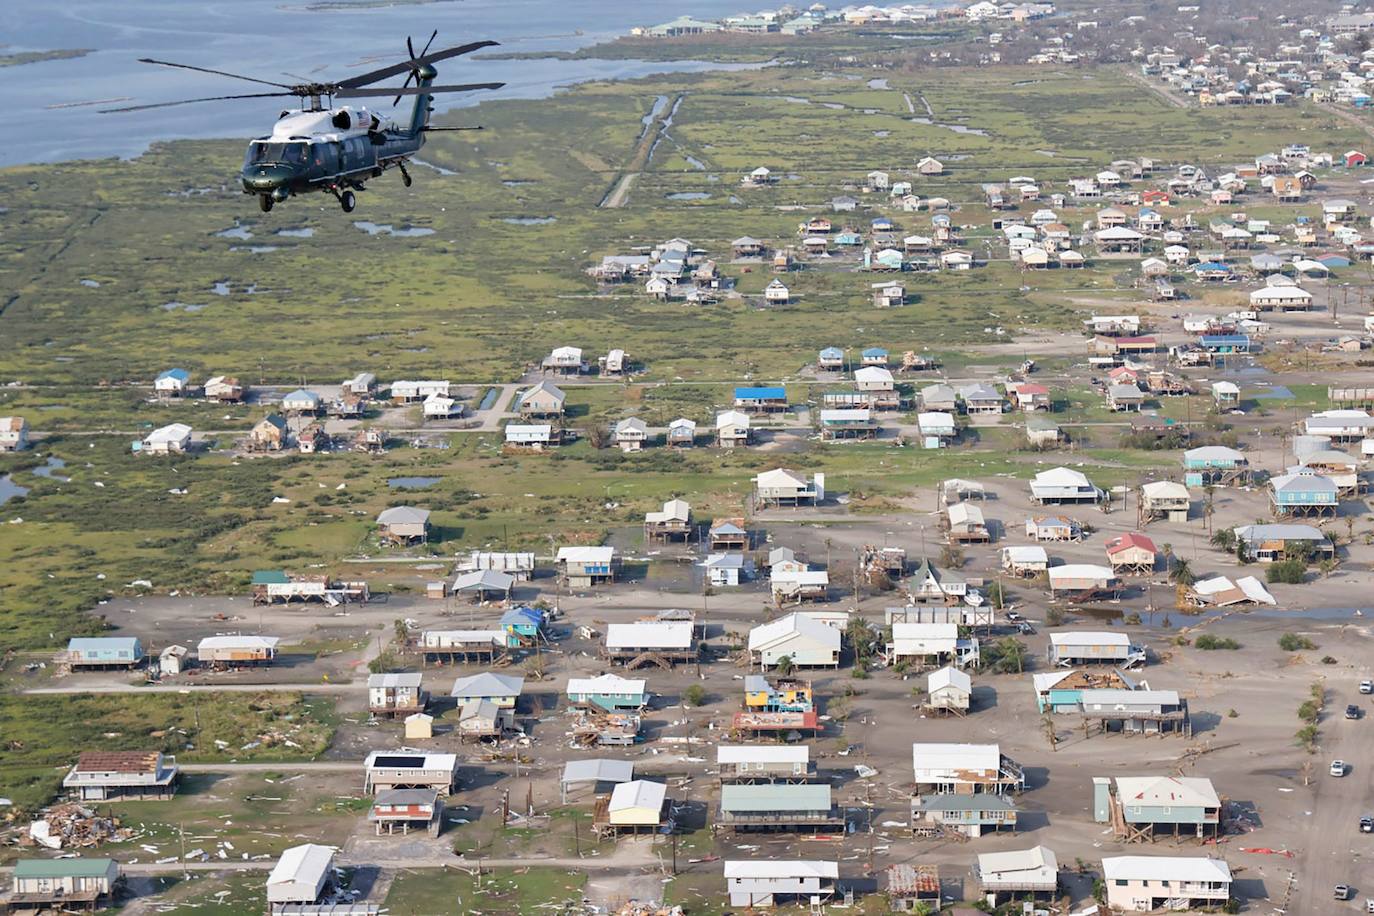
[688, 195]
[372, 228]
[412, 483]
[9, 489]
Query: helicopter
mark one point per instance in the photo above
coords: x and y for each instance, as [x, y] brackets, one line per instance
[331, 149]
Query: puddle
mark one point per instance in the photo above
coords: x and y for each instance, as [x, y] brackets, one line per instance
[878, 83]
[194, 308]
[713, 178]
[254, 249]
[9, 489]
[688, 195]
[220, 289]
[530, 220]
[241, 233]
[694, 162]
[438, 168]
[405, 232]
[173, 306]
[735, 200]
[836, 106]
[304, 232]
[90, 284]
[1276, 393]
[412, 483]
[881, 134]
[48, 470]
[957, 128]
[796, 100]
[517, 182]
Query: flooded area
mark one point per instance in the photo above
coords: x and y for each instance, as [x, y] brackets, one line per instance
[688, 195]
[530, 220]
[412, 483]
[9, 489]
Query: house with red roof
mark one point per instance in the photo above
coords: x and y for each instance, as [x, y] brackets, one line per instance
[1131, 552]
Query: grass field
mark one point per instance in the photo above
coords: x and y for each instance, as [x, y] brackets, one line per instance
[504, 891]
[113, 271]
[41, 731]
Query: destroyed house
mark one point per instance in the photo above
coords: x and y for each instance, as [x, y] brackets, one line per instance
[409, 769]
[777, 695]
[1062, 691]
[403, 809]
[395, 694]
[108, 775]
[964, 769]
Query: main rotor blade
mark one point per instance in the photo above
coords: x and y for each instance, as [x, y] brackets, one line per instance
[213, 98]
[414, 90]
[236, 76]
[432, 35]
[366, 79]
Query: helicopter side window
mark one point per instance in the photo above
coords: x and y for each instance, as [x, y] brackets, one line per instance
[293, 154]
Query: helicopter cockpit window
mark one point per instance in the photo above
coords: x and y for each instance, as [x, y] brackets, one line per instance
[287, 153]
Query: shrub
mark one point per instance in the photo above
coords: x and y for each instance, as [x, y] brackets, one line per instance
[1211, 643]
[1292, 642]
[1288, 572]
[694, 695]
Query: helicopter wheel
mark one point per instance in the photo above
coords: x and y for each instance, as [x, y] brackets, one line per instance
[265, 202]
[405, 178]
[348, 201]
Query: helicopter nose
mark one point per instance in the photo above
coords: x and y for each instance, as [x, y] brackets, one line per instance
[265, 178]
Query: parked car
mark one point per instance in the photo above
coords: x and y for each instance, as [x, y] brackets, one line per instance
[1367, 824]
[1338, 768]
[1352, 711]
[1341, 892]
[1014, 617]
[1366, 686]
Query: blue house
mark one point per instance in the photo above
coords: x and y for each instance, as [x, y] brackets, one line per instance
[523, 626]
[849, 238]
[1225, 343]
[1303, 491]
[1212, 270]
[874, 356]
[1213, 457]
[761, 398]
[1332, 260]
[609, 692]
[882, 224]
[831, 358]
[104, 652]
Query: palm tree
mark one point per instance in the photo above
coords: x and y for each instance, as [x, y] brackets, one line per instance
[1223, 539]
[1182, 573]
[784, 666]
[1011, 653]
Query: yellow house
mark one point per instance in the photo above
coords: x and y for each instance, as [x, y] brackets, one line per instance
[783, 695]
[638, 803]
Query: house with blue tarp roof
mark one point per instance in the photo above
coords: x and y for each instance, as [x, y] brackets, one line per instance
[761, 398]
[522, 625]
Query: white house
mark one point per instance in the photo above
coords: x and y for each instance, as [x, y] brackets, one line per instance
[760, 882]
[1017, 871]
[300, 876]
[1064, 485]
[166, 440]
[806, 641]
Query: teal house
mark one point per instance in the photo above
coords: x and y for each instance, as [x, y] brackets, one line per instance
[1062, 691]
[1141, 807]
[609, 692]
[104, 651]
[1303, 491]
[523, 626]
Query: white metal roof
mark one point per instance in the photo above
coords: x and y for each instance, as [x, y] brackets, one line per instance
[238, 642]
[1192, 791]
[1037, 858]
[487, 684]
[1080, 571]
[765, 636]
[638, 793]
[948, 677]
[945, 757]
[606, 683]
[781, 868]
[585, 554]
[305, 865]
[1026, 554]
[780, 477]
[650, 635]
[1165, 868]
[763, 753]
[401, 679]
[1090, 638]
[1060, 477]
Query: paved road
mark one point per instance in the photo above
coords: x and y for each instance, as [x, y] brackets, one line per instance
[308, 766]
[606, 864]
[322, 687]
[1335, 851]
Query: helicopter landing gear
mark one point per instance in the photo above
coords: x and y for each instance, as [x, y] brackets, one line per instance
[346, 200]
[265, 202]
[405, 176]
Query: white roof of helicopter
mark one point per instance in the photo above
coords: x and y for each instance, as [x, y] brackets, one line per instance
[319, 125]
